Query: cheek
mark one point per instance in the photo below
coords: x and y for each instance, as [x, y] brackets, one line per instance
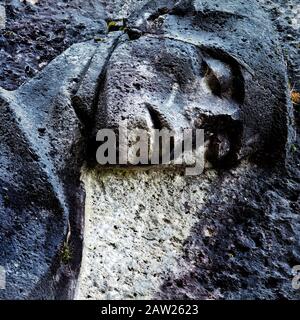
[132, 87]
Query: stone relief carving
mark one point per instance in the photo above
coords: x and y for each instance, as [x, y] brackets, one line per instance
[213, 65]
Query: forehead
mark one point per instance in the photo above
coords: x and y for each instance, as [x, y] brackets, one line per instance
[237, 27]
[160, 54]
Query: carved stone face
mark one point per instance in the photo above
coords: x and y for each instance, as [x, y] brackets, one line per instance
[193, 66]
[182, 64]
[167, 84]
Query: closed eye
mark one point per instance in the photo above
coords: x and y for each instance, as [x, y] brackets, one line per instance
[224, 80]
[212, 80]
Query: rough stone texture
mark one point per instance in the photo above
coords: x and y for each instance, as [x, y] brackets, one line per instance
[133, 239]
[210, 237]
[243, 240]
[234, 72]
[42, 151]
[116, 9]
[40, 160]
[209, 59]
[2, 16]
[36, 34]
[237, 242]
[286, 17]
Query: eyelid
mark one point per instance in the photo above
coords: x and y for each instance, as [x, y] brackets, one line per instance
[222, 73]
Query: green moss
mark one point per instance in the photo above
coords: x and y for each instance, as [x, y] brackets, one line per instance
[111, 24]
[66, 254]
[293, 148]
[118, 25]
[99, 39]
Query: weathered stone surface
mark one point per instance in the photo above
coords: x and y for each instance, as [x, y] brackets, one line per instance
[227, 31]
[36, 34]
[181, 64]
[116, 9]
[133, 239]
[42, 151]
[223, 235]
[2, 16]
[202, 65]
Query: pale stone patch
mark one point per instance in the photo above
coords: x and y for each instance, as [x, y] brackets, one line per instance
[296, 17]
[30, 1]
[122, 9]
[2, 17]
[2, 278]
[135, 227]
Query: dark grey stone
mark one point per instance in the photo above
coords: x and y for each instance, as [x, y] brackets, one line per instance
[224, 62]
[42, 199]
